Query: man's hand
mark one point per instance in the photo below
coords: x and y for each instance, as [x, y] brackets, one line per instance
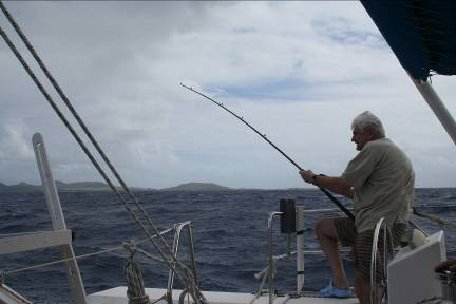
[307, 176]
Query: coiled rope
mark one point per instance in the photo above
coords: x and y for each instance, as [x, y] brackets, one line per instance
[168, 257]
[136, 291]
[191, 279]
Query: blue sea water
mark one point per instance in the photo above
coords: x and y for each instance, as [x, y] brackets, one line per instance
[229, 231]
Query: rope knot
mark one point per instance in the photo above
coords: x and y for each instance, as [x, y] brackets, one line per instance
[136, 291]
[131, 247]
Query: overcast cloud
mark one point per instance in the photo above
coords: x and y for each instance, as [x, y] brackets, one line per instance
[298, 71]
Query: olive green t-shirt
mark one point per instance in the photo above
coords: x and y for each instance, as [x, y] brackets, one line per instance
[384, 183]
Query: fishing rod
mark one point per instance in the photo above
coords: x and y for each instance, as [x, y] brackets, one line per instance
[329, 195]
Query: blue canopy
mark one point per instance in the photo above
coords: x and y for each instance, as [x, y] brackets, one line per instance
[421, 33]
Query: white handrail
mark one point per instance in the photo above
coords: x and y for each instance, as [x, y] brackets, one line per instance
[58, 221]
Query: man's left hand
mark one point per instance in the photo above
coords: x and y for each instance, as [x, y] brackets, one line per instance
[307, 176]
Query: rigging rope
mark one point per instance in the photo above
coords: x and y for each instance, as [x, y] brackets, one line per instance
[75, 114]
[69, 105]
[169, 258]
[434, 218]
[329, 195]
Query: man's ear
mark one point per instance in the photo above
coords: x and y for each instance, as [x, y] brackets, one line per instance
[372, 133]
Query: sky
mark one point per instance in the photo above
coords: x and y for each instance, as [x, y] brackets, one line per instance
[297, 71]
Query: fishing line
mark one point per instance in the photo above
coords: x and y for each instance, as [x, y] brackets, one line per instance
[329, 195]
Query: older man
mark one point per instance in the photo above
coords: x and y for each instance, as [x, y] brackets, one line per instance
[381, 180]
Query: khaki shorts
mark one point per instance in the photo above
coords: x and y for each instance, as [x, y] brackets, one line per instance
[361, 244]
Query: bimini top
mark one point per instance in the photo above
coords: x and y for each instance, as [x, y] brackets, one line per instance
[422, 33]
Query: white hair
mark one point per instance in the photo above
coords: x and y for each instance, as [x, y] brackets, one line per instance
[367, 120]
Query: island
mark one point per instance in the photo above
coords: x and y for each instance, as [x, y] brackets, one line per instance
[197, 187]
[98, 186]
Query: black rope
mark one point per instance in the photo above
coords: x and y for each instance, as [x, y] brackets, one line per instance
[329, 195]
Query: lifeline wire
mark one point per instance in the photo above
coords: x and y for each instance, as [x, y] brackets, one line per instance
[81, 256]
[329, 195]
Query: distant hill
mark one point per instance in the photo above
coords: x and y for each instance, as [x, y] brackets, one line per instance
[86, 186]
[22, 187]
[197, 187]
[96, 186]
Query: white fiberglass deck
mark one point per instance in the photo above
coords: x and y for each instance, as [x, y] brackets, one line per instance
[118, 295]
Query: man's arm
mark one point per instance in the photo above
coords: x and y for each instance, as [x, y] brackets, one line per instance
[333, 183]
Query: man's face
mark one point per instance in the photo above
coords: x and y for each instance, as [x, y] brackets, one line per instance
[361, 137]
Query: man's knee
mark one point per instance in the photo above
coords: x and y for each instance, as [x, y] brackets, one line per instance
[325, 228]
[319, 227]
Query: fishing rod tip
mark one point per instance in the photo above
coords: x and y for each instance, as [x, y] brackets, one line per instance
[185, 86]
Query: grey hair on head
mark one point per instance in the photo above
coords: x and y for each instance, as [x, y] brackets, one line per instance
[367, 120]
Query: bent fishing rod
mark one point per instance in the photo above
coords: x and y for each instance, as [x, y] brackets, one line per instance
[329, 195]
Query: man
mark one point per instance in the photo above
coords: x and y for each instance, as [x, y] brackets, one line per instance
[381, 180]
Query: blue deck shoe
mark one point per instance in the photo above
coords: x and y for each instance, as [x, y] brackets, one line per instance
[327, 288]
[332, 292]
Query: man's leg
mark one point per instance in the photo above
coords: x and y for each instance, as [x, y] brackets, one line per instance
[363, 249]
[362, 288]
[327, 235]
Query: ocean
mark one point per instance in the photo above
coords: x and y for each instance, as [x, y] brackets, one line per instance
[229, 231]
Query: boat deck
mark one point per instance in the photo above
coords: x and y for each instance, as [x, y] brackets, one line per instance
[118, 295]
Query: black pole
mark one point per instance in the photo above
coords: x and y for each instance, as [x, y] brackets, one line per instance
[329, 195]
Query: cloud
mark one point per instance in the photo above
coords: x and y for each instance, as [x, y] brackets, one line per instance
[14, 143]
[297, 71]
